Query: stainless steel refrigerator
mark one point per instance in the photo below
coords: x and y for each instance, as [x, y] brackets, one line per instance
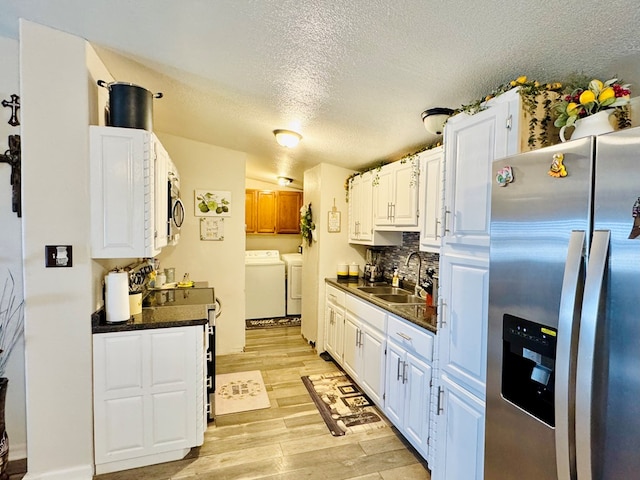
[563, 368]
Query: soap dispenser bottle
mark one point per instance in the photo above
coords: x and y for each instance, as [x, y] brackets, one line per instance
[395, 280]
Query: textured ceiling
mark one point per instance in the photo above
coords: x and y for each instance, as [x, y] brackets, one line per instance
[352, 76]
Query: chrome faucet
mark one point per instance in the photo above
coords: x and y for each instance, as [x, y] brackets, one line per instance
[418, 288]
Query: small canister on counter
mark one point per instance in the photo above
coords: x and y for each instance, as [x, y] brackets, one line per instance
[343, 271]
[354, 271]
[170, 274]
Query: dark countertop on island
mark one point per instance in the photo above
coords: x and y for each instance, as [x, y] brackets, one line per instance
[421, 315]
[179, 307]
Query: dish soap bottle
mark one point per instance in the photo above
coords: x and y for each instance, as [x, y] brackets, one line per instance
[395, 280]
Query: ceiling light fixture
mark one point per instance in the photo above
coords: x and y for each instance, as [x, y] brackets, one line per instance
[284, 181]
[435, 118]
[287, 138]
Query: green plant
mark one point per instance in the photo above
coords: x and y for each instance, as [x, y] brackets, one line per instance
[11, 320]
[306, 223]
[531, 92]
[588, 97]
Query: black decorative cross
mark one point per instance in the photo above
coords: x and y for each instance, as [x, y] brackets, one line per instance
[14, 104]
[12, 157]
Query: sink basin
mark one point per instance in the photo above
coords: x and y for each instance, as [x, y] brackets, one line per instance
[384, 290]
[400, 298]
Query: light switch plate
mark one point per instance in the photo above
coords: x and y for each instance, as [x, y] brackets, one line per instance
[58, 256]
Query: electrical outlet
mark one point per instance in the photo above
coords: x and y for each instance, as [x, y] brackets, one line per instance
[58, 256]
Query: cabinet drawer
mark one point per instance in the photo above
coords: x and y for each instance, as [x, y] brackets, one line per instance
[367, 312]
[335, 296]
[411, 337]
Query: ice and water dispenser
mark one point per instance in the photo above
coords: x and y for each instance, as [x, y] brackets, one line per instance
[528, 366]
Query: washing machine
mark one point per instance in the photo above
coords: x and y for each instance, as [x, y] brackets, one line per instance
[264, 284]
[293, 268]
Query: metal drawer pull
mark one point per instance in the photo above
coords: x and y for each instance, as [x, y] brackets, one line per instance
[398, 375]
[405, 336]
[404, 372]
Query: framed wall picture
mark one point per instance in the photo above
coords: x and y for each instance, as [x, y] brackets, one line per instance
[212, 229]
[212, 203]
[333, 222]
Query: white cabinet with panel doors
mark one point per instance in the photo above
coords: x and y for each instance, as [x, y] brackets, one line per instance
[334, 322]
[471, 143]
[408, 381]
[361, 228]
[395, 196]
[431, 193]
[128, 193]
[460, 446]
[364, 347]
[149, 391]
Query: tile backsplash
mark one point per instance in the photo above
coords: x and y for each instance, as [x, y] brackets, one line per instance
[397, 256]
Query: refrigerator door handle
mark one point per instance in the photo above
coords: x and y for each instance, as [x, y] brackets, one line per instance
[593, 290]
[569, 316]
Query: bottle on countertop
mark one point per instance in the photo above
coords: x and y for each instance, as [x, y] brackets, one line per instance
[395, 280]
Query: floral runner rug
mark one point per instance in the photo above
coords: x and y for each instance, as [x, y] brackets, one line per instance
[342, 405]
[240, 392]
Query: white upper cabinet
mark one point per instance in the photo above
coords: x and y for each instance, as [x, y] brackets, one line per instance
[431, 192]
[472, 143]
[129, 193]
[395, 196]
[361, 229]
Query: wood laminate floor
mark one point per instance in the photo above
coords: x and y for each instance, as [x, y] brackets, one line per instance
[289, 440]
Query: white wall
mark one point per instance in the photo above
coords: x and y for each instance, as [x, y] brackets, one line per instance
[221, 263]
[324, 184]
[11, 252]
[58, 301]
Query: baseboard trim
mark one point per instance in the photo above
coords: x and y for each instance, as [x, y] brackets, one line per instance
[84, 472]
[17, 451]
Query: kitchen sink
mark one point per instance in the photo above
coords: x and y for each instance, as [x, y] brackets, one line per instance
[384, 290]
[400, 298]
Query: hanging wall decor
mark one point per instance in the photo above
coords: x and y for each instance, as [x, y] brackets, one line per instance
[306, 223]
[333, 220]
[12, 157]
[212, 229]
[14, 105]
[212, 203]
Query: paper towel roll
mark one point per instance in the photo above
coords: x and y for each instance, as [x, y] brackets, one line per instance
[117, 297]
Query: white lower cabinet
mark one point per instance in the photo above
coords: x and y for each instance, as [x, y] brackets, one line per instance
[460, 435]
[334, 322]
[408, 381]
[148, 391]
[363, 357]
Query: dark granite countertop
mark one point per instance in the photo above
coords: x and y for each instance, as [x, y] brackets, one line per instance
[163, 309]
[421, 315]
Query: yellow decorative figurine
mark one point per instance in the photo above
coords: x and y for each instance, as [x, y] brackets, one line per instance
[558, 169]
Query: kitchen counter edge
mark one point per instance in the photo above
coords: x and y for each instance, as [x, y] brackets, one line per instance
[151, 318]
[427, 321]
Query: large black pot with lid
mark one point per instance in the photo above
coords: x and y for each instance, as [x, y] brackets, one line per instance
[130, 105]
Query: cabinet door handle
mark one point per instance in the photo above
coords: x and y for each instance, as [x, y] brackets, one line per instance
[440, 312]
[439, 407]
[398, 372]
[393, 211]
[447, 212]
[509, 122]
[404, 336]
[404, 372]
[437, 235]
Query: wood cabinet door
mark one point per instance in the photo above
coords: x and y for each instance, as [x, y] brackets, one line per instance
[288, 212]
[250, 211]
[266, 212]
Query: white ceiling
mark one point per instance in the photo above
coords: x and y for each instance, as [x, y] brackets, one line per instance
[352, 76]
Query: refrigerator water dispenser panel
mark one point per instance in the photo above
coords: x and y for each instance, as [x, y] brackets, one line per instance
[528, 366]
